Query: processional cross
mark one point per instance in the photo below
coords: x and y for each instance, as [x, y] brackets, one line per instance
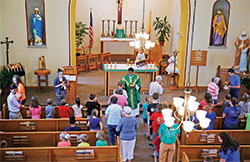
[7, 42]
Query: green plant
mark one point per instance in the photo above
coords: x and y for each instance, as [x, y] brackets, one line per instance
[81, 32]
[245, 82]
[5, 78]
[163, 28]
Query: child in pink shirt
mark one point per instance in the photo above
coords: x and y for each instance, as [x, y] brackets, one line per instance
[35, 108]
[65, 140]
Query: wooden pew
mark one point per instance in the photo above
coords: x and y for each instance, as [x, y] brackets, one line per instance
[50, 154]
[15, 125]
[194, 137]
[185, 157]
[43, 139]
[194, 152]
[27, 114]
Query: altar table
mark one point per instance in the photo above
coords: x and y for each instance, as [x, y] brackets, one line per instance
[107, 68]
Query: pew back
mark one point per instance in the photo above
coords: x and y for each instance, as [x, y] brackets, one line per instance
[19, 125]
[199, 137]
[43, 139]
[27, 114]
[195, 153]
[50, 154]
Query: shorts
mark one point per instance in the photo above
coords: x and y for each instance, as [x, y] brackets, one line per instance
[145, 120]
[156, 154]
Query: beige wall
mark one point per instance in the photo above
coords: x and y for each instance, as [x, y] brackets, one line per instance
[1, 37]
[14, 26]
[238, 21]
[132, 10]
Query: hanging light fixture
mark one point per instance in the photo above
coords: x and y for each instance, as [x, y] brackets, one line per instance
[187, 108]
[142, 38]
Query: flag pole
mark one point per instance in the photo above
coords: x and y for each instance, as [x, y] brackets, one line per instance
[91, 31]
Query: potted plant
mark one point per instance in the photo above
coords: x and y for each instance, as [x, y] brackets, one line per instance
[245, 82]
[163, 28]
[81, 32]
[5, 78]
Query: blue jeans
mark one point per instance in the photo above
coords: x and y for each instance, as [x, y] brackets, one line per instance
[112, 133]
[59, 96]
[234, 92]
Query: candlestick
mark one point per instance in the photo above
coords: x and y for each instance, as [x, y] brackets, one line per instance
[113, 32]
[126, 23]
[136, 21]
[108, 34]
[103, 35]
[131, 25]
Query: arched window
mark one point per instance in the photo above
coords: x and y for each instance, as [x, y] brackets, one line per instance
[219, 24]
[35, 23]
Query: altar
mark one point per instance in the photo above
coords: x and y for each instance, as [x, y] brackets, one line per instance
[108, 68]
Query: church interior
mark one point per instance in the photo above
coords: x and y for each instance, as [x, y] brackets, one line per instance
[190, 49]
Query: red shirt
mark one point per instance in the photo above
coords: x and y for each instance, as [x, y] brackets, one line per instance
[156, 143]
[63, 111]
[157, 121]
[64, 144]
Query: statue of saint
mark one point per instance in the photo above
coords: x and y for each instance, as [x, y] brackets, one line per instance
[242, 45]
[219, 29]
[37, 27]
[41, 63]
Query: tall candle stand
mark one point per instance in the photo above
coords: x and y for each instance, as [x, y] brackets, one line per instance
[108, 34]
[131, 25]
[113, 31]
[126, 25]
[103, 35]
[136, 21]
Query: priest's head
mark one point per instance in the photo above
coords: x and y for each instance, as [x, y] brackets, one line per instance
[130, 71]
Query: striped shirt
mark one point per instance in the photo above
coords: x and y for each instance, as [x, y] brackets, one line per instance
[213, 89]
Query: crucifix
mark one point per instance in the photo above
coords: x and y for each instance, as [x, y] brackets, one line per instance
[119, 19]
[7, 42]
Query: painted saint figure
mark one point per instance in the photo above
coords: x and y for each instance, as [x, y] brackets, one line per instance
[242, 45]
[37, 27]
[219, 29]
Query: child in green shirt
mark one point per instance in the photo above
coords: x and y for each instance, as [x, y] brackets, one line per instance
[100, 135]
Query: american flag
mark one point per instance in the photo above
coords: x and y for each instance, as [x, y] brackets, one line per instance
[91, 30]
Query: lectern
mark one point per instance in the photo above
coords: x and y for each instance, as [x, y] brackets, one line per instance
[70, 73]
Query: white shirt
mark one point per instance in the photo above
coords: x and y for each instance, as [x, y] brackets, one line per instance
[155, 87]
[77, 110]
[140, 56]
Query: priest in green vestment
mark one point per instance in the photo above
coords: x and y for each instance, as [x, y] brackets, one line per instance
[132, 84]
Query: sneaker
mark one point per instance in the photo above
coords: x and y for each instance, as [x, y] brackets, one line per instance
[151, 146]
[148, 137]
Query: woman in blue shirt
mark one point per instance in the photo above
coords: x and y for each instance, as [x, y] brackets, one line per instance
[231, 115]
[229, 151]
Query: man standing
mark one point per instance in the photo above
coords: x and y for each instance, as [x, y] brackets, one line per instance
[132, 84]
[156, 86]
[234, 83]
[241, 43]
[60, 84]
[13, 105]
[213, 89]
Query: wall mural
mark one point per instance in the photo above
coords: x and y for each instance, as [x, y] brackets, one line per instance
[35, 20]
[219, 24]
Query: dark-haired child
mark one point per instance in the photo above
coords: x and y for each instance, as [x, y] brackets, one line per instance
[77, 108]
[35, 108]
[91, 104]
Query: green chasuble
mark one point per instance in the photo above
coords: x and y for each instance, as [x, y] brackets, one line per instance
[133, 93]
